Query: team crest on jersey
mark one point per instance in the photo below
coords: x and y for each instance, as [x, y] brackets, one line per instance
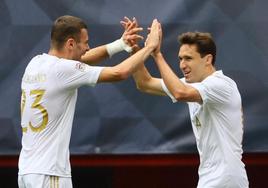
[80, 66]
[197, 122]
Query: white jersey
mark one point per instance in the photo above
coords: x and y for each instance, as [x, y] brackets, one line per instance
[49, 93]
[218, 128]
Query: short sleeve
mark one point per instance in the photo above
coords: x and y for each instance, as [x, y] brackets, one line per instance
[214, 90]
[73, 74]
[164, 87]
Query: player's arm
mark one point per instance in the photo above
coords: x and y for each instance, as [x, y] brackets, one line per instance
[143, 79]
[123, 70]
[146, 83]
[95, 55]
[100, 53]
[179, 90]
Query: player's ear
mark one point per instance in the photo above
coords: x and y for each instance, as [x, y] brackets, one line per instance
[209, 59]
[70, 43]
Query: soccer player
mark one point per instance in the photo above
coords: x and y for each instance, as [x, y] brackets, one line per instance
[214, 105]
[49, 93]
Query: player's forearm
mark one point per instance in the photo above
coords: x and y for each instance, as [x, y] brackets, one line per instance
[130, 65]
[146, 83]
[173, 83]
[141, 77]
[98, 54]
[95, 55]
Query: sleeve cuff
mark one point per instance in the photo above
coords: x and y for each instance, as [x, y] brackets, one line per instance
[164, 87]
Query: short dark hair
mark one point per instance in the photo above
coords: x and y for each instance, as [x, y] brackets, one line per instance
[66, 27]
[203, 41]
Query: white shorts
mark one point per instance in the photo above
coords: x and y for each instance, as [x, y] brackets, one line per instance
[43, 181]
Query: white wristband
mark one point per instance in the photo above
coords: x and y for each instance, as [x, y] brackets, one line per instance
[117, 46]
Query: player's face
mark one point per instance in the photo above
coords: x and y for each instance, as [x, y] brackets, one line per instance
[192, 64]
[82, 46]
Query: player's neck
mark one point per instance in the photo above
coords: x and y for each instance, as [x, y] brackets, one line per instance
[208, 71]
[59, 53]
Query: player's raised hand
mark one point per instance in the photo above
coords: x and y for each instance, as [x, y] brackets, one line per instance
[158, 48]
[130, 35]
[153, 38]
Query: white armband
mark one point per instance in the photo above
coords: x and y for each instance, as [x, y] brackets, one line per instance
[117, 46]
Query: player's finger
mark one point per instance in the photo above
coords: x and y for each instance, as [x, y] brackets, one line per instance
[134, 30]
[134, 37]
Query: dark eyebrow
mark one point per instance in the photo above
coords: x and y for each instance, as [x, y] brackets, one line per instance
[185, 57]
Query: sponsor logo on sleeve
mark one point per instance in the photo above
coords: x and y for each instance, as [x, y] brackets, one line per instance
[81, 67]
